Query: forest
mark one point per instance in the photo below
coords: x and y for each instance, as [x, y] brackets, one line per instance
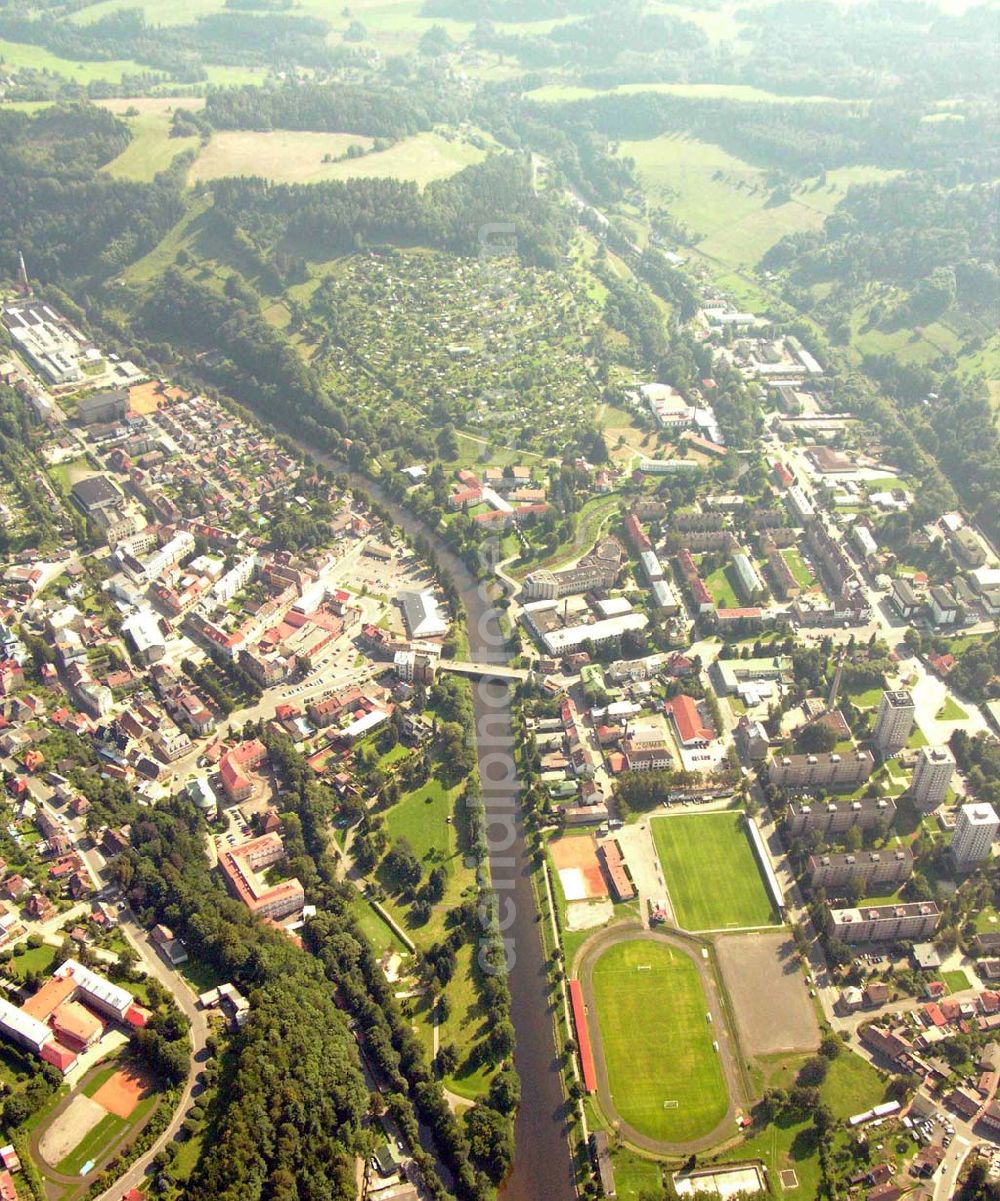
[794, 48]
[806, 139]
[232, 37]
[344, 217]
[508, 10]
[289, 1110]
[69, 220]
[341, 108]
[664, 43]
[938, 245]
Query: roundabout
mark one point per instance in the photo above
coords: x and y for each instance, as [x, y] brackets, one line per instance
[666, 1061]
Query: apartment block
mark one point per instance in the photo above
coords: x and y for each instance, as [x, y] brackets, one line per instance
[832, 770]
[911, 922]
[243, 867]
[872, 869]
[837, 817]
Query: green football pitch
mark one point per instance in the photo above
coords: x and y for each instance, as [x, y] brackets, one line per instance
[665, 1077]
[710, 870]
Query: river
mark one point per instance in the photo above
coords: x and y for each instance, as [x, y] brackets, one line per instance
[542, 1168]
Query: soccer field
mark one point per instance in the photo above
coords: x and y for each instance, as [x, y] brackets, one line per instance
[657, 1041]
[710, 871]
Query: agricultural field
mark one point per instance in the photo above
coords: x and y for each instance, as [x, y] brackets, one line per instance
[420, 159]
[282, 155]
[674, 1059]
[22, 54]
[710, 871]
[726, 201]
[152, 149]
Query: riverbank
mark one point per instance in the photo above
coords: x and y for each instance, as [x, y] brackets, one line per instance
[542, 1164]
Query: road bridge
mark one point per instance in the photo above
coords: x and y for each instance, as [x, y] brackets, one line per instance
[484, 671]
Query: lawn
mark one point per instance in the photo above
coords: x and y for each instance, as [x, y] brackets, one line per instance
[951, 710]
[852, 1085]
[69, 472]
[797, 566]
[421, 817]
[200, 975]
[710, 871]
[635, 1176]
[722, 585]
[917, 739]
[786, 1144]
[594, 514]
[298, 157]
[674, 1059]
[378, 933]
[34, 959]
[956, 980]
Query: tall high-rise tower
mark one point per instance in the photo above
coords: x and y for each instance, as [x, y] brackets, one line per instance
[931, 777]
[894, 722]
[975, 832]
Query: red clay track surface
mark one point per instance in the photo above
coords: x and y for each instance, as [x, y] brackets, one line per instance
[583, 1037]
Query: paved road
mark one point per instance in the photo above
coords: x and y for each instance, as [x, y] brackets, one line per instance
[947, 1179]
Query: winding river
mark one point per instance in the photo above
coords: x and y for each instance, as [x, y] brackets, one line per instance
[542, 1168]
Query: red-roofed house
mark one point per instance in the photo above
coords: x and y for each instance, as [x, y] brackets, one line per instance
[942, 664]
[236, 765]
[933, 1015]
[7, 1190]
[690, 728]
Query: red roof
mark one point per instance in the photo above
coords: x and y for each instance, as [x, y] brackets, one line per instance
[136, 1015]
[59, 1056]
[686, 717]
[7, 1189]
[934, 1015]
